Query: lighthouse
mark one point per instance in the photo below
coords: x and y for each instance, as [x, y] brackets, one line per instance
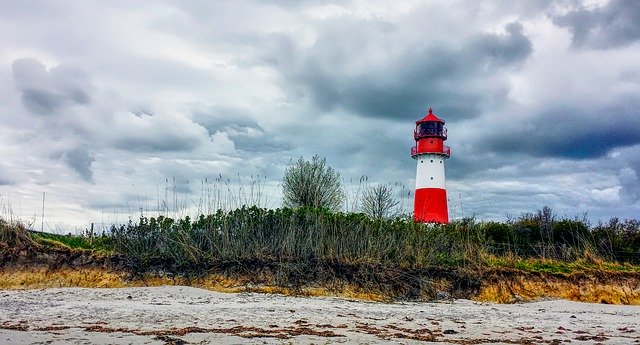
[430, 204]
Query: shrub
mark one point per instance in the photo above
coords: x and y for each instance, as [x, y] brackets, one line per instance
[312, 184]
[617, 240]
[499, 233]
[378, 202]
[570, 232]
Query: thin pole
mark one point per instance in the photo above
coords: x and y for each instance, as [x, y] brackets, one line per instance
[42, 225]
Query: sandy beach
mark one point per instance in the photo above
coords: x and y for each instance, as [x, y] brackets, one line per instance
[180, 315]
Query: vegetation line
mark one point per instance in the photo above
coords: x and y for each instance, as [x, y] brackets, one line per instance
[314, 249]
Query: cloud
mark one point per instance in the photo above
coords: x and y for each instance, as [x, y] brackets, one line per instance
[499, 50]
[630, 184]
[45, 92]
[239, 126]
[572, 132]
[222, 143]
[350, 67]
[80, 160]
[218, 118]
[151, 96]
[615, 24]
[629, 173]
[54, 93]
[7, 177]
[154, 133]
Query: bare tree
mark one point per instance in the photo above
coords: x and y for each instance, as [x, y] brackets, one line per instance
[312, 183]
[378, 202]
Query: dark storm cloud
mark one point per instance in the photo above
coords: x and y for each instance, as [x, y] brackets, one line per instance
[495, 51]
[425, 73]
[80, 160]
[45, 92]
[573, 132]
[613, 25]
[464, 164]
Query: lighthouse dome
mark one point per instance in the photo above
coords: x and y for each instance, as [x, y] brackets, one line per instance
[430, 126]
[431, 117]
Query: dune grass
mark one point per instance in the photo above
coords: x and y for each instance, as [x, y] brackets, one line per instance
[314, 251]
[310, 235]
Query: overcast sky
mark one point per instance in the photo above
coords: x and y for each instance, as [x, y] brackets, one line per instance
[113, 107]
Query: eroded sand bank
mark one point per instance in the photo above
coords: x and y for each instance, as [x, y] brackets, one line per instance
[178, 315]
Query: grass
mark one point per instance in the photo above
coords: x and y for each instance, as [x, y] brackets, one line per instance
[308, 235]
[588, 263]
[311, 251]
[290, 235]
[100, 243]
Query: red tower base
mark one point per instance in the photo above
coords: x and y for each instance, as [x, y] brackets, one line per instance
[430, 206]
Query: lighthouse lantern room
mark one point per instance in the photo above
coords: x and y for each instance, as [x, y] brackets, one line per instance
[430, 204]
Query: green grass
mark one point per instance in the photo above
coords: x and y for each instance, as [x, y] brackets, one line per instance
[553, 266]
[100, 243]
[547, 266]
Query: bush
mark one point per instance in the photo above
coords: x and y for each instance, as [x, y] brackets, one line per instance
[312, 184]
[378, 202]
[570, 232]
[617, 240]
[499, 233]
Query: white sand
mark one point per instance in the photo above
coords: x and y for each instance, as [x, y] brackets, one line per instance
[131, 315]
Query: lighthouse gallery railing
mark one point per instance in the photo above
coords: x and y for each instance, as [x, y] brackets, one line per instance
[446, 150]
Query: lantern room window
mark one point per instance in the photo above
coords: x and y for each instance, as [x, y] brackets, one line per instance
[431, 128]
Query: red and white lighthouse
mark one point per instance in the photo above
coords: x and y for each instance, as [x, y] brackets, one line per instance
[430, 204]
